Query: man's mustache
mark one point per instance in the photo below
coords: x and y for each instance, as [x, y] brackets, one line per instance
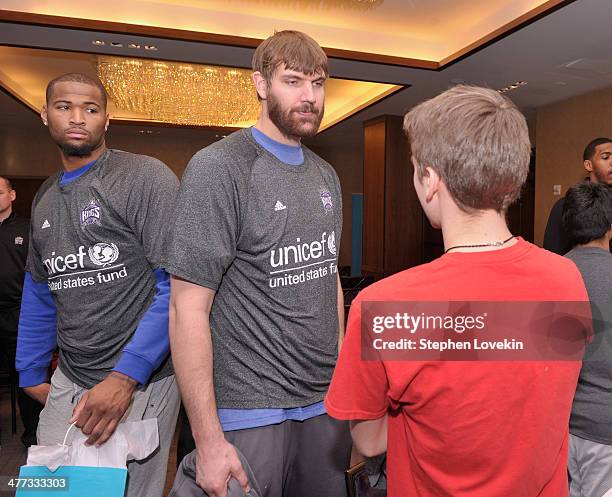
[307, 108]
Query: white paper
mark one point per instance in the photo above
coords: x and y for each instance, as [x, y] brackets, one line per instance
[132, 440]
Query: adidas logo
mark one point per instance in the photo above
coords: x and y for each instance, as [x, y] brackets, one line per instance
[46, 224]
[279, 206]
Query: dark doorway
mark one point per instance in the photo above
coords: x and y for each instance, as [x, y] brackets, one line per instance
[26, 188]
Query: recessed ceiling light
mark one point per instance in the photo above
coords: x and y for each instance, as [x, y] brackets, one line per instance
[98, 42]
[134, 45]
[512, 86]
[116, 44]
[150, 47]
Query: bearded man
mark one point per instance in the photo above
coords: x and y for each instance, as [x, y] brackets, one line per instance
[253, 257]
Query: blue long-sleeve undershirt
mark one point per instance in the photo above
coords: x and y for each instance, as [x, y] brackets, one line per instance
[150, 344]
[37, 338]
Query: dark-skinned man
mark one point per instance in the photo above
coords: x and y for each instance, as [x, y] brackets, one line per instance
[94, 285]
[597, 162]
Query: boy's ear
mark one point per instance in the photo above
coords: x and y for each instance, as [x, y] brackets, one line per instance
[432, 183]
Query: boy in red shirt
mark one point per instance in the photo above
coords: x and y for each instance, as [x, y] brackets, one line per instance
[477, 429]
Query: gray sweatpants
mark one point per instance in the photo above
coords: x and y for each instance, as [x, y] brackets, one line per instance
[159, 400]
[289, 459]
[589, 467]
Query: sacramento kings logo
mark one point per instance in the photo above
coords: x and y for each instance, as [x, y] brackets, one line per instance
[103, 254]
[91, 214]
[327, 201]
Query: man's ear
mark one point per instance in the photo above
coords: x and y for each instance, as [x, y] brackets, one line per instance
[261, 85]
[432, 183]
[43, 115]
[13, 195]
[588, 166]
[107, 123]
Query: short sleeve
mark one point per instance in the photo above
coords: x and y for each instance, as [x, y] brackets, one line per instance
[153, 192]
[205, 227]
[34, 264]
[358, 389]
[340, 209]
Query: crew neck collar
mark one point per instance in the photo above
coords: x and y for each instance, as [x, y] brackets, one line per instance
[490, 256]
[292, 155]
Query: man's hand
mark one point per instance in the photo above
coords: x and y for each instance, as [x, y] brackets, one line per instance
[215, 465]
[100, 409]
[39, 392]
[191, 344]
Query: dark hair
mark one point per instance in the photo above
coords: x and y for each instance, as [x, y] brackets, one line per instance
[8, 182]
[587, 212]
[76, 77]
[589, 150]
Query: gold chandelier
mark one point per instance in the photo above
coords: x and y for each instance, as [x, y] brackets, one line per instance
[178, 93]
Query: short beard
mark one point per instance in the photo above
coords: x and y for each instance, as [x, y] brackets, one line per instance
[82, 150]
[289, 125]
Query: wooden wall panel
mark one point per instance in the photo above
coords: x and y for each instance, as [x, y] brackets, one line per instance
[393, 218]
[403, 213]
[374, 197]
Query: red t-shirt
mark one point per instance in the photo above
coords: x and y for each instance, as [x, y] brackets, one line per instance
[477, 429]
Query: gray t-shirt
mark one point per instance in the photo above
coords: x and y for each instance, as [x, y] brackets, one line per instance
[95, 242]
[265, 235]
[592, 410]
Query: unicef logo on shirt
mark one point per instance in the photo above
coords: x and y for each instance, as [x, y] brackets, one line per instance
[331, 243]
[103, 254]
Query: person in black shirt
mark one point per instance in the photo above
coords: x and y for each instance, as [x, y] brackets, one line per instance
[14, 237]
[597, 161]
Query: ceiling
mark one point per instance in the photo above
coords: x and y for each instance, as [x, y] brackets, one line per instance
[432, 30]
[562, 54]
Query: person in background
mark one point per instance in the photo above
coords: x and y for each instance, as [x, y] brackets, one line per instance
[587, 219]
[95, 285]
[14, 236]
[597, 162]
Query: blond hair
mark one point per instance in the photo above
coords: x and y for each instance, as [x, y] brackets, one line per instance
[477, 141]
[294, 50]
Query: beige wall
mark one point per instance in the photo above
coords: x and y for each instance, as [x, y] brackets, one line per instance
[29, 152]
[563, 129]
